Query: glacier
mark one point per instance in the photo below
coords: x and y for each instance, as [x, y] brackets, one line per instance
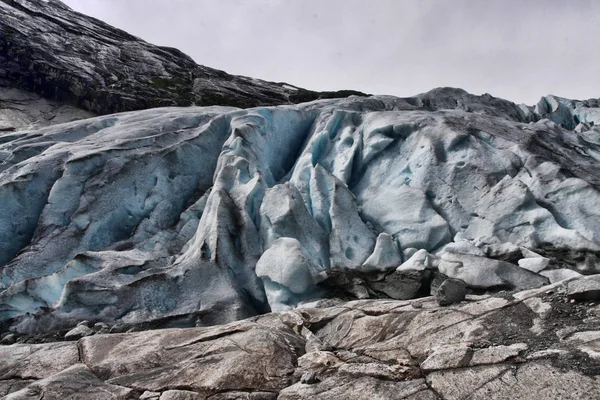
[204, 215]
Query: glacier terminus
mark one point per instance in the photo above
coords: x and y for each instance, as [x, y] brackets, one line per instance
[205, 215]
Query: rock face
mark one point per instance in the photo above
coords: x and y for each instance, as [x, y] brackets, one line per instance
[25, 110]
[197, 216]
[69, 58]
[534, 344]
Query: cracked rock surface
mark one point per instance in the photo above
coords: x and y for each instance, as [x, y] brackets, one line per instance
[534, 344]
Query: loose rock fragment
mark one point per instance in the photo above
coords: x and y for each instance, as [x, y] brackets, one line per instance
[451, 291]
[583, 289]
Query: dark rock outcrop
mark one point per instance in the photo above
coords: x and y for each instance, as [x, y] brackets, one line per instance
[67, 57]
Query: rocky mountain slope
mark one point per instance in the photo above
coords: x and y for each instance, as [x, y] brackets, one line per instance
[67, 57]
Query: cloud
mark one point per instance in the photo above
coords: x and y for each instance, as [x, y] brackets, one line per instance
[516, 49]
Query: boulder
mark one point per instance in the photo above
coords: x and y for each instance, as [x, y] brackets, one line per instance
[451, 291]
[78, 332]
[561, 274]
[482, 273]
[587, 288]
[9, 338]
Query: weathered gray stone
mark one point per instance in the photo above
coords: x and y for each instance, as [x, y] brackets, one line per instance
[463, 355]
[318, 361]
[9, 339]
[400, 285]
[101, 327]
[245, 396]
[461, 383]
[74, 383]
[350, 388]
[309, 378]
[451, 291]
[497, 354]
[181, 395]
[36, 361]
[78, 332]
[133, 74]
[588, 342]
[530, 381]
[481, 272]
[13, 385]
[448, 357]
[150, 395]
[534, 264]
[539, 381]
[238, 356]
[375, 370]
[587, 288]
[557, 275]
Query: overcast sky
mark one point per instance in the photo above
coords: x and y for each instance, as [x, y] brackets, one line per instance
[515, 49]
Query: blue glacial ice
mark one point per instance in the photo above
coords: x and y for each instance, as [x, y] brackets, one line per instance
[214, 214]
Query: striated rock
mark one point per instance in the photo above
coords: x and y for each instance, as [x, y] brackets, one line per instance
[561, 274]
[400, 285]
[530, 381]
[533, 344]
[240, 356]
[76, 382]
[36, 361]
[245, 396]
[181, 395]
[350, 388]
[8, 386]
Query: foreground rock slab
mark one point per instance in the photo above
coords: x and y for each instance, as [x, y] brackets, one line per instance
[535, 344]
[76, 382]
[585, 289]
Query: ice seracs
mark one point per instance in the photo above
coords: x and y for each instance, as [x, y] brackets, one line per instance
[186, 216]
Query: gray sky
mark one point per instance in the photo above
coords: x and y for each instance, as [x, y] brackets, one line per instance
[515, 49]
